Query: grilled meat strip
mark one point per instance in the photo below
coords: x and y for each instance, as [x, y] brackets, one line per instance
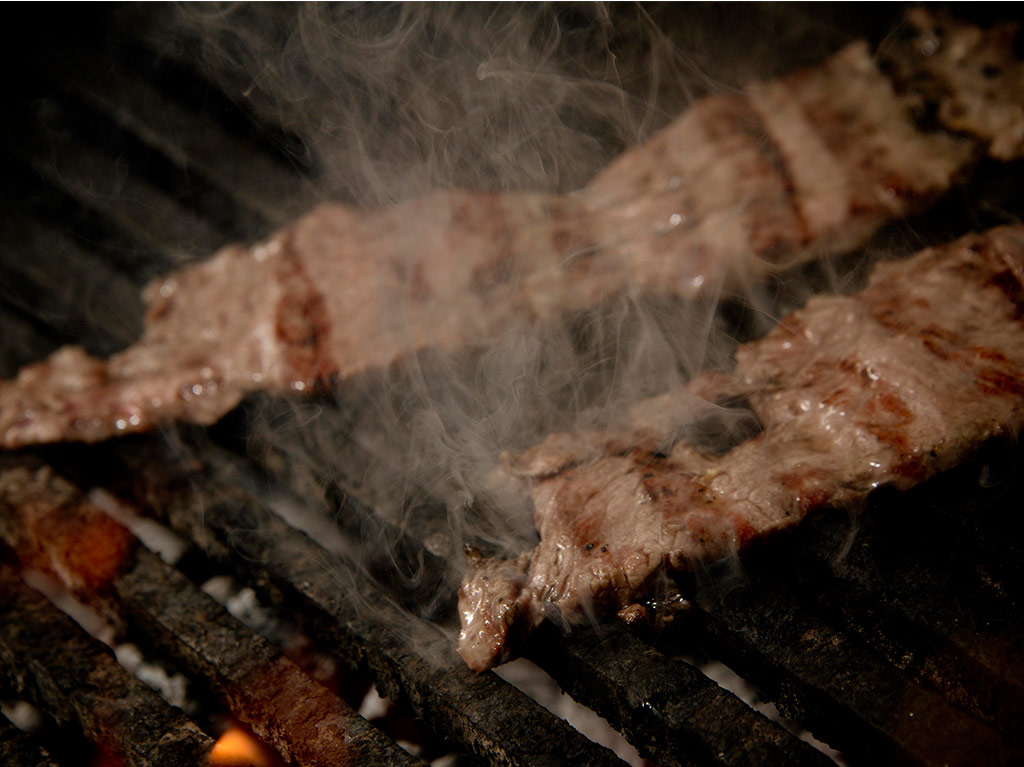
[969, 75]
[885, 387]
[339, 292]
[740, 184]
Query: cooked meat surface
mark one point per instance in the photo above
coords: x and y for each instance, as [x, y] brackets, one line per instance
[750, 182]
[741, 183]
[969, 75]
[885, 387]
[339, 292]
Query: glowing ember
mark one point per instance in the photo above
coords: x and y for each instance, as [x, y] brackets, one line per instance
[105, 757]
[239, 748]
[62, 534]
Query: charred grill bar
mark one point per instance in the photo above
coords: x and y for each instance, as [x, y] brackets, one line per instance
[72, 676]
[902, 649]
[268, 692]
[20, 748]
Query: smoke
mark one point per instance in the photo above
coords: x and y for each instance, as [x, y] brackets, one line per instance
[393, 100]
[387, 102]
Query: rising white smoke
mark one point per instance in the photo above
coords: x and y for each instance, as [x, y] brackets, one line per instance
[387, 102]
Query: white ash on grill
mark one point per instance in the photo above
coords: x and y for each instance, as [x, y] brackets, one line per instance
[886, 387]
[740, 185]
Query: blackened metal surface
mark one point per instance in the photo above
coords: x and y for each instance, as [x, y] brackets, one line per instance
[193, 139]
[844, 692]
[99, 179]
[667, 709]
[411, 660]
[304, 721]
[20, 749]
[92, 303]
[117, 171]
[49, 660]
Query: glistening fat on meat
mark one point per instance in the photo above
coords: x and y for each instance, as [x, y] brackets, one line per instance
[885, 387]
[740, 184]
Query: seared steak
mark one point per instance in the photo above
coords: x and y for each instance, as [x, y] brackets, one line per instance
[885, 387]
[337, 293]
[740, 184]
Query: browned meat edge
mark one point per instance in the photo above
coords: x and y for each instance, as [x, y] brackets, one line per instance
[885, 387]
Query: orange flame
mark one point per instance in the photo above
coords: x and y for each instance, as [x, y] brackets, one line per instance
[238, 748]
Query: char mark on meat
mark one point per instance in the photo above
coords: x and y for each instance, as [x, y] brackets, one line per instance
[739, 185]
[885, 387]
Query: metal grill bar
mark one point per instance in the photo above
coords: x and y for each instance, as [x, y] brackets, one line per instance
[410, 659]
[107, 184]
[193, 140]
[93, 304]
[76, 681]
[19, 749]
[303, 720]
[665, 707]
[932, 609]
[23, 341]
[845, 693]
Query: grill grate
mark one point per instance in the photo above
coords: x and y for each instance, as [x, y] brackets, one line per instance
[76, 681]
[902, 650]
